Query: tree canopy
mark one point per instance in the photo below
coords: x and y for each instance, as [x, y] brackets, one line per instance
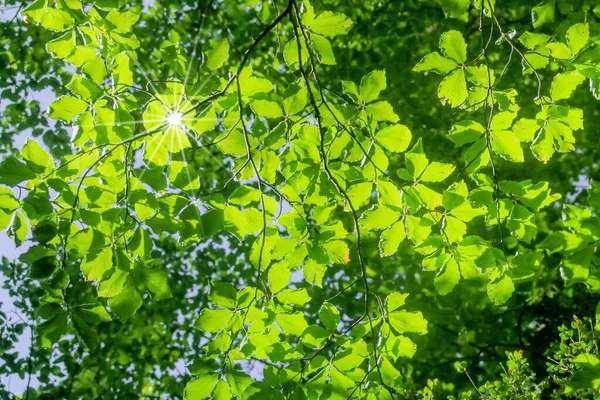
[294, 199]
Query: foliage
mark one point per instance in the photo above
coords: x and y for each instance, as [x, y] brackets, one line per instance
[295, 199]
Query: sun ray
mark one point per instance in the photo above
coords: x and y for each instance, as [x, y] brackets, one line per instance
[220, 161]
[149, 82]
[196, 39]
[202, 85]
[128, 122]
[186, 168]
[144, 169]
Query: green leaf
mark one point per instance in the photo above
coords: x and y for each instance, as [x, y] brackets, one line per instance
[95, 265]
[223, 294]
[95, 69]
[455, 8]
[290, 54]
[122, 21]
[447, 278]
[395, 300]
[279, 276]
[84, 88]
[213, 320]
[13, 172]
[93, 313]
[564, 84]
[330, 24]
[543, 13]
[453, 46]
[238, 382]
[44, 231]
[543, 145]
[200, 387]
[329, 316]
[559, 51]
[577, 37]
[296, 102]
[532, 40]
[121, 71]
[586, 376]
[405, 321]
[81, 55]
[114, 284]
[453, 88]
[222, 391]
[43, 268]
[52, 330]
[218, 54]
[437, 172]
[126, 303]
[57, 20]
[62, 46]
[36, 10]
[155, 280]
[395, 138]
[391, 239]
[359, 193]
[500, 289]
[464, 132]
[323, 47]
[8, 201]
[66, 107]
[525, 129]
[267, 109]
[371, 85]
[313, 272]
[18, 228]
[437, 63]
[293, 296]
[379, 217]
[382, 111]
[292, 324]
[507, 145]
